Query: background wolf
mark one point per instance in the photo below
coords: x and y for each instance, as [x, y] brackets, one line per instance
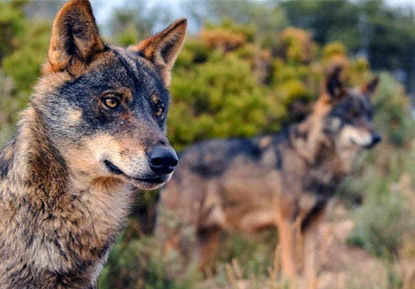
[275, 180]
[94, 128]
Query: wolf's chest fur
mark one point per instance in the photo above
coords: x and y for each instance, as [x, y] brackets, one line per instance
[55, 236]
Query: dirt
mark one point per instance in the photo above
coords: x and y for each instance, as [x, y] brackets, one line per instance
[344, 266]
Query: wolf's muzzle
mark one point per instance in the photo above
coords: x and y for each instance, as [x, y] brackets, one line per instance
[163, 160]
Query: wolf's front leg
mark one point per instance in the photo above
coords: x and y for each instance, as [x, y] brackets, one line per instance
[286, 232]
[311, 249]
[207, 247]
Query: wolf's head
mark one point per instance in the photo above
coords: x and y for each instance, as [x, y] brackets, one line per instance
[341, 123]
[349, 117]
[104, 108]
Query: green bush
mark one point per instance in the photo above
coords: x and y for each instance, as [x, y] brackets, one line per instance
[214, 100]
[11, 25]
[139, 264]
[380, 221]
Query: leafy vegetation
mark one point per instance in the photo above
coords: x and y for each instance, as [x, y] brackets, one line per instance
[252, 69]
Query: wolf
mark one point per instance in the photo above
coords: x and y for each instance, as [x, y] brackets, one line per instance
[94, 131]
[282, 180]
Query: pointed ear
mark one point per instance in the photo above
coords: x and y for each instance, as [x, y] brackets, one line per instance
[333, 85]
[75, 39]
[163, 48]
[370, 88]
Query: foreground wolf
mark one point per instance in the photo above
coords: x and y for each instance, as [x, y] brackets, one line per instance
[93, 130]
[271, 181]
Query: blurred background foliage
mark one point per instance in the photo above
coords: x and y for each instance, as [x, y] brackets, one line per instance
[250, 69]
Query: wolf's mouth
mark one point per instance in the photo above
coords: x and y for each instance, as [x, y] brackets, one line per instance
[116, 171]
[369, 145]
[354, 143]
[113, 168]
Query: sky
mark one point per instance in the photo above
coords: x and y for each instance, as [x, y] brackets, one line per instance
[402, 2]
[103, 8]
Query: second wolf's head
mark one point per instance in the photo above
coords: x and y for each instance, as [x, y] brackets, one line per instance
[104, 108]
[342, 118]
[350, 113]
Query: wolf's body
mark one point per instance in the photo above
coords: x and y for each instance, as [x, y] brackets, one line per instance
[281, 180]
[94, 129]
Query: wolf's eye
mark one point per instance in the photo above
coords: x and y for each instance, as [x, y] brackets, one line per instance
[159, 109]
[111, 102]
[158, 106]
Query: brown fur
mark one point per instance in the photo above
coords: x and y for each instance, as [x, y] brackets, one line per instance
[85, 37]
[154, 48]
[62, 205]
[283, 181]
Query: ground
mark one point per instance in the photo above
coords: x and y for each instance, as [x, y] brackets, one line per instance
[342, 266]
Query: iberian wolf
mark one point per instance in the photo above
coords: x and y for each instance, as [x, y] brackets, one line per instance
[283, 180]
[92, 133]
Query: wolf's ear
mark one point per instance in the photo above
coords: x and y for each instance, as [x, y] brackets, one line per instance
[333, 85]
[370, 88]
[75, 38]
[163, 48]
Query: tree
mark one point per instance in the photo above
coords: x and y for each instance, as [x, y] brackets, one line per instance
[385, 35]
[137, 20]
[11, 25]
[266, 20]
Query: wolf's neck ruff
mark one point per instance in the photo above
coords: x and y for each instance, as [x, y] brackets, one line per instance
[308, 139]
[44, 165]
[71, 225]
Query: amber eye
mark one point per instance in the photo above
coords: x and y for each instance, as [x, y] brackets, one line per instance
[158, 105]
[111, 102]
[159, 109]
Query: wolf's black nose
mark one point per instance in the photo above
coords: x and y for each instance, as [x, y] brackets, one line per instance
[376, 139]
[163, 160]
